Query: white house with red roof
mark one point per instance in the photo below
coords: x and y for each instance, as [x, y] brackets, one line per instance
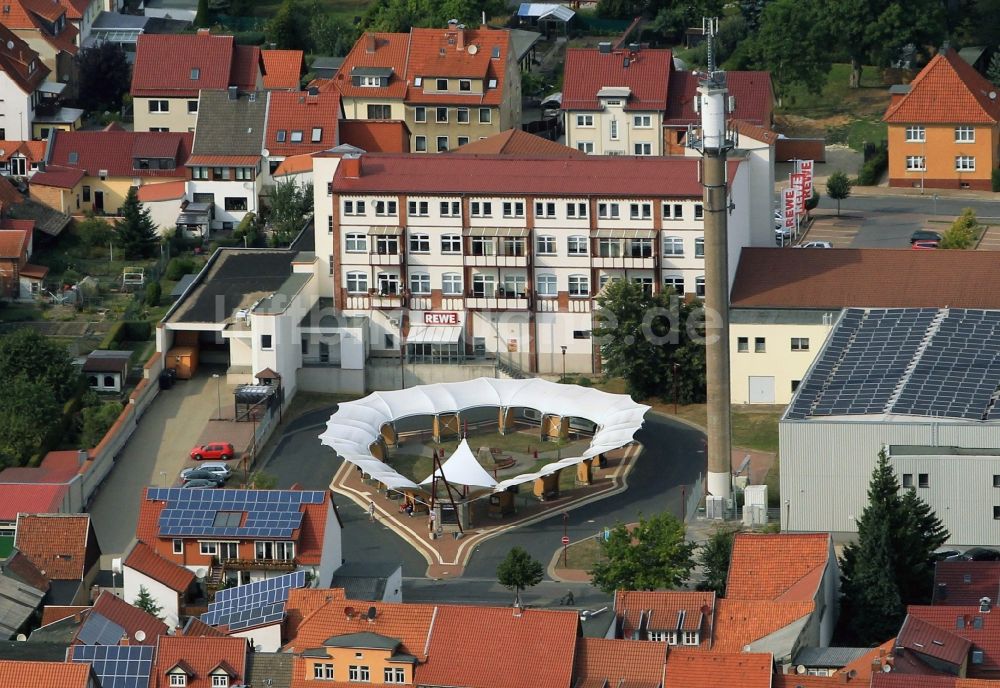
[22, 83]
[171, 69]
[167, 582]
[19, 279]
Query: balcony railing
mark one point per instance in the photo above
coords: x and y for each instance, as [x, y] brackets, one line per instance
[285, 565]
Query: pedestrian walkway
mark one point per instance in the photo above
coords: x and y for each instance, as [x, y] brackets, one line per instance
[839, 231]
[447, 555]
[991, 239]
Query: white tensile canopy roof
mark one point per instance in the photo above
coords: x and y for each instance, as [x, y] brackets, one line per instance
[462, 468]
[358, 424]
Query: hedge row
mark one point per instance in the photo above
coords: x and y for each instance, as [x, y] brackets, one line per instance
[127, 330]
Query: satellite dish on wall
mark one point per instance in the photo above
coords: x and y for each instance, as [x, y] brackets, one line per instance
[266, 153]
[993, 95]
[886, 668]
[116, 565]
[21, 637]
[473, 49]
[10, 45]
[201, 573]
[800, 669]
[140, 635]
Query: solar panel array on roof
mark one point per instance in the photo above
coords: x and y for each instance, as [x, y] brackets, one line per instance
[127, 666]
[100, 630]
[254, 604]
[913, 361]
[269, 513]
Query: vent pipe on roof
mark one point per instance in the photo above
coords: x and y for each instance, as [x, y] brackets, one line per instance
[604, 47]
[204, 32]
[985, 604]
[81, 456]
[234, 93]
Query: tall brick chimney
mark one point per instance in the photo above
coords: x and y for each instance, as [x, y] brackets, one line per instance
[370, 43]
[351, 165]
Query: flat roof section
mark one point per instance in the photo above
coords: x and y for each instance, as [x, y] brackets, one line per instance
[236, 279]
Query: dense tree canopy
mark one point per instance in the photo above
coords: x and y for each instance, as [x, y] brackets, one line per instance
[890, 565]
[642, 336]
[104, 76]
[519, 571]
[714, 558]
[654, 555]
[135, 231]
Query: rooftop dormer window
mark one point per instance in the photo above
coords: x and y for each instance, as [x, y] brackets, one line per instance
[178, 680]
[496, 52]
[492, 83]
[418, 81]
[195, 74]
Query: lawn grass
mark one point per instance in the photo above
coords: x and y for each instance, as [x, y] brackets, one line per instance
[581, 555]
[858, 132]
[19, 312]
[416, 467]
[837, 97]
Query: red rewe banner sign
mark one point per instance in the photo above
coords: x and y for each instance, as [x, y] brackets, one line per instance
[798, 184]
[440, 318]
[806, 169]
[788, 197]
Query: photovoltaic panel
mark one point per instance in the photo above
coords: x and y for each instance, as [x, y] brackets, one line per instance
[116, 666]
[269, 513]
[100, 630]
[254, 604]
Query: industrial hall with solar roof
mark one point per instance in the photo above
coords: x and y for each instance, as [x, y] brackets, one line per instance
[921, 383]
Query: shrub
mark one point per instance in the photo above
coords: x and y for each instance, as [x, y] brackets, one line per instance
[96, 421]
[137, 330]
[113, 336]
[584, 381]
[153, 293]
[178, 267]
[995, 179]
[963, 232]
[871, 172]
[813, 200]
[249, 37]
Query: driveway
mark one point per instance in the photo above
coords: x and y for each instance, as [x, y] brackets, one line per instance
[154, 456]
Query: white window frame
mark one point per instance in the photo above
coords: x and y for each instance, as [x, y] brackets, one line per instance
[642, 149]
[359, 280]
[208, 548]
[965, 163]
[438, 112]
[608, 211]
[699, 247]
[916, 163]
[451, 208]
[178, 546]
[385, 208]
[585, 121]
[485, 116]
[965, 134]
[420, 283]
[547, 284]
[670, 246]
[641, 211]
[418, 208]
[451, 244]
[178, 680]
[545, 245]
[394, 675]
[545, 209]
[657, 636]
[579, 286]
[354, 207]
[220, 681]
[388, 283]
[577, 211]
[159, 106]
[356, 242]
[462, 115]
[585, 147]
[323, 671]
[481, 209]
[513, 209]
[420, 143]
[613, 129]
[576, 245]
[642, 121]
[699, 286]
[800, 344]
[451, 284]
[358, 673]
[916, 133]
[420, 243]
[676, 282]
[420, 114]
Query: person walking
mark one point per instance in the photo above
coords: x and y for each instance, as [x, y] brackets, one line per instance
[430, 521]
[371, 511]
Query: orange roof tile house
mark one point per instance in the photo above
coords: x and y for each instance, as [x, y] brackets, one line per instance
[19, 279]
[64, 548]
[944, 128]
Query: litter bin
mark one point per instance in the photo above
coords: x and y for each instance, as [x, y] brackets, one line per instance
[167, 378]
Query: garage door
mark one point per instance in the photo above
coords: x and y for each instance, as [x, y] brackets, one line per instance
[761, 390]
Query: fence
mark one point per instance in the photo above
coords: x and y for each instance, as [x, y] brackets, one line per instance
[693, 499]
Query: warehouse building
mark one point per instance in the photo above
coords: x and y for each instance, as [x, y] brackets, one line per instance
[924, 384]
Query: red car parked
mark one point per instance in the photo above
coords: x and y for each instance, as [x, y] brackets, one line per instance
[221, 451]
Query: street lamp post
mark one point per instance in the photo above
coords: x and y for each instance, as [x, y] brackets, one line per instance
[565, 539]
[163, 478]
[563, 363]
[675, 388]
[218, 395]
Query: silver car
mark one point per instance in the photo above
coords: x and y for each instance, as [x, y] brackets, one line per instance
[222, 470]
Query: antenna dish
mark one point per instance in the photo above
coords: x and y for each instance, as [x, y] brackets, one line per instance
[201, 573]
[10, 45]
[116, 565]
[21, 637]
[140, 635]
[800, 669]
[993, 95]
[266, 153]
[473, 49]
[886, 668]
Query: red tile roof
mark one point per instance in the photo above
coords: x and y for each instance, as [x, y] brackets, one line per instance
[30, 499]
[34, 151]
[518, 142]
[492, 647]
[928, 640]
[9, 196]
[408, 623]
[224, 160]
[295, 164]
[52, 613]
[195, 627]
[200, 655]
[986, 637]
[28, 15]
[674, 177]
[666, 610]
[635, 662]
[794, 680]
[741, 622]
[56, 467]
[961, 582]
[304, 602]
[390, 50]
[753, 92]
[693, 669]
[144, 560]
[247, 66]
[161, 191]
[23, 569]
[290, 111]
[588, 70]
[14, 243]
[114, 151]
[282, 68]
[870, 278]
[130, 618]
[58, 544]
[382, 136]
[17, 62]
[784, 567]
[947, 91]
[23, 674]
[164, 64]
[75, 8]
[59, 177]
[894, 680]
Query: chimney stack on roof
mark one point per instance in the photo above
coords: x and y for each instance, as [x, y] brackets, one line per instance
[370, 42]
[351, 164]
[460, 38]
[204, 32]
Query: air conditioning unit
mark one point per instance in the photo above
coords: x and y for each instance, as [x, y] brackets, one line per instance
[715, 507]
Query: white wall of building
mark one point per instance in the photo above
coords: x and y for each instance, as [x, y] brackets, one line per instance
[164, 213]
[16, 110]
[323, 171]
[263, 638]
[591, 130]
[221, 190]
[166, 598]
[333, 552]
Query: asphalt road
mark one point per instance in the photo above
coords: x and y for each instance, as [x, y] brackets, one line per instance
[888, 221]
[674, 456]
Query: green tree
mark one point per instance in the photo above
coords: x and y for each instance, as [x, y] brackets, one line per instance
[153, 294]
[25, 353]
[201, 17]
[104, 76]
[654, 555]
[793, 45]
[964, 231]
[135, 230]
[283, 28]
[95, 234]
[993, 71]
[331, 35]
[29, 416]
[146, 603]
[259, 480]
[714, 558]
[289, 206]
[519, 571]
[838, 187]
[876, 30]
[96, 421]
[889, 565]
[652, 341]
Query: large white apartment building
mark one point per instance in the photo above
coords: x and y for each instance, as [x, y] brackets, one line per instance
[476, 256]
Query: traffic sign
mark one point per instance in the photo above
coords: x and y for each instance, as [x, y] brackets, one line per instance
[565, 539]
